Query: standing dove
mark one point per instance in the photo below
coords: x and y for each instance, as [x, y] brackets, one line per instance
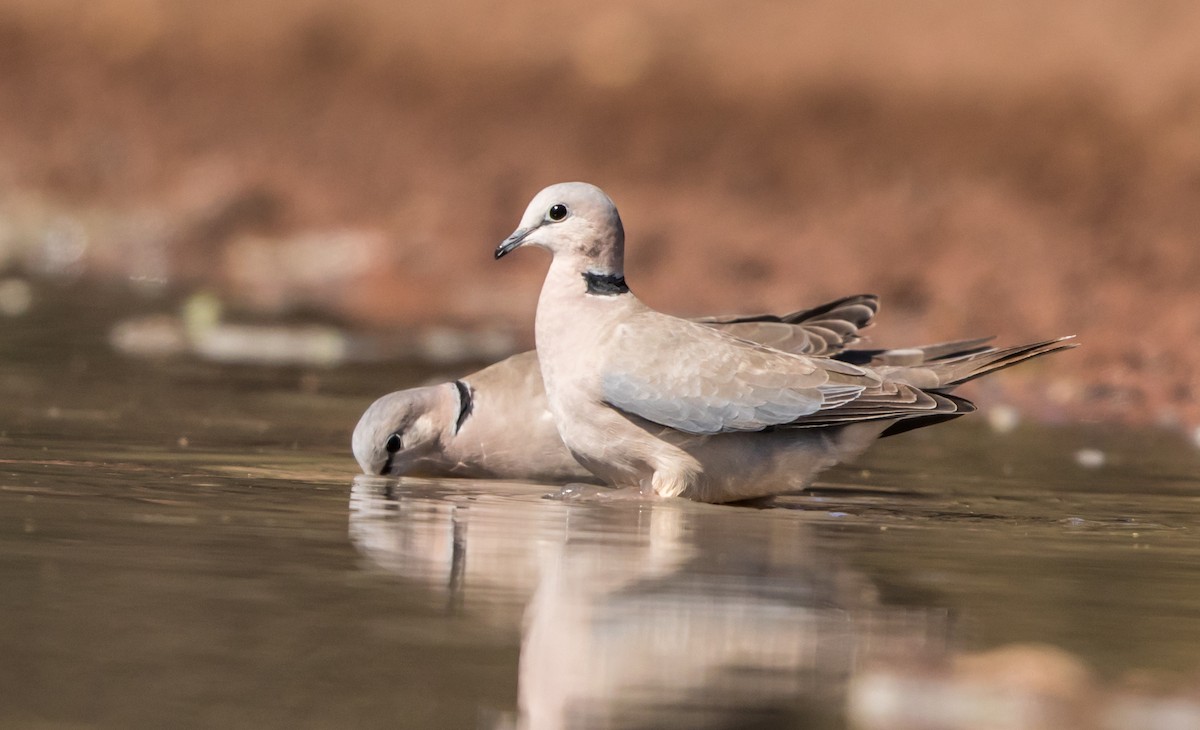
[674, 408]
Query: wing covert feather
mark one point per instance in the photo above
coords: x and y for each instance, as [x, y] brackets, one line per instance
[697, 380]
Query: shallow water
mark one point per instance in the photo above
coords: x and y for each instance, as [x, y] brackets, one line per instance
[185, 544]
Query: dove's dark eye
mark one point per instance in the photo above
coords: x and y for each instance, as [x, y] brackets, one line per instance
[393, 443]
[557, 212]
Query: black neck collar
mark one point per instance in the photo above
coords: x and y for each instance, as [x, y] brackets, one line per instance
[465, 404]
[605, 285]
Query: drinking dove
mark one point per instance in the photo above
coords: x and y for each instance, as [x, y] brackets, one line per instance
[496, 424]
[674, 408]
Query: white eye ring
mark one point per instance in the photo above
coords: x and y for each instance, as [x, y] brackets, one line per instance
[557, 212]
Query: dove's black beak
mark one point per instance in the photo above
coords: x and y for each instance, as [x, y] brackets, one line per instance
[513, 241]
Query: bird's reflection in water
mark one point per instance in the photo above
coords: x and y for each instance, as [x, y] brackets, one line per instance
[655, 614]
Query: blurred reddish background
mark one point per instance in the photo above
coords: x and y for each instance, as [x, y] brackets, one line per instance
[1026, 169]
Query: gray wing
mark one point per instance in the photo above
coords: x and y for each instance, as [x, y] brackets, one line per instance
[823, 330]
[697, 380]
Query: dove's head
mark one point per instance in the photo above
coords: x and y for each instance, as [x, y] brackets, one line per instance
[401, 429]
[576, 220]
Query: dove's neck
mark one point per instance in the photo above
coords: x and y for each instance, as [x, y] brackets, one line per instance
[447, 410]
[580, 277]
[604, 257]
[444, 409]
[581, 303]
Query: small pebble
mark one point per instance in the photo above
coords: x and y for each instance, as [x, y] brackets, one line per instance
[16, 296]
[150, 336]
[1003, 419]
[1090, 458]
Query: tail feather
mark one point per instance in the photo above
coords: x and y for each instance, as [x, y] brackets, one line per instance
[957, 348]
[915, 355]
[914, 396]
[954, 371]
[942, 374]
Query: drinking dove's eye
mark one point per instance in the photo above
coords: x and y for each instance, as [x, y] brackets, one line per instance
[393, 443]
[557, 212]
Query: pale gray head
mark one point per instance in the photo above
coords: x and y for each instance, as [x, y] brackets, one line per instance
[572, 219]
[401, 428]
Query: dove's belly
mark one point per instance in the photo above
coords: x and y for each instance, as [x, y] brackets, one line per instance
[626, 451]
[737, 466]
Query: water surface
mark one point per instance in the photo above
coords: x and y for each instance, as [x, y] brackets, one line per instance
[186, 544]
